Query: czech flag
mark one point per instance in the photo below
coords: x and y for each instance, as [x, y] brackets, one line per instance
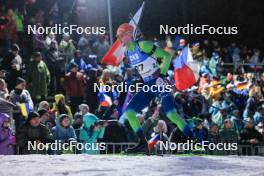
[24, 108]
[186, 70]
[153, 141]
[115, 54]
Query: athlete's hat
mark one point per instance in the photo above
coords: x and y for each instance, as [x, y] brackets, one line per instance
[123, 28]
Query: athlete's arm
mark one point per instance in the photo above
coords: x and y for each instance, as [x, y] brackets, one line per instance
[156, 52]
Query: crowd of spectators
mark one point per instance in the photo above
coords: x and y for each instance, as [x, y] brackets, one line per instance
[53, 77]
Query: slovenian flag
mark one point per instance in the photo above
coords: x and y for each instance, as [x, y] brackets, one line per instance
[186, 70]
[153, 141]
[24, 108]
[115, 54]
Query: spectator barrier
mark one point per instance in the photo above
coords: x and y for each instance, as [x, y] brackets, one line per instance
[117, 148]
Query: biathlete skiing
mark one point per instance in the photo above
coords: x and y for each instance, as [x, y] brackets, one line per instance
[142, 55]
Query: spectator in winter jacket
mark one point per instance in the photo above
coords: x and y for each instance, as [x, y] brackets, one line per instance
[90, 132]
[214, 61]
[75, 84]
[7, 138]
[177, 136]
[47, 115]
[39, 40]
[215, 107]
[161, 129]
[260, 129]
[220, 117]
[56, 68]
[114, 132]
[63, 131]
[213, 136]
[197, 52]
[35, 132]
[259, 115]
[44, 105]
[51, 38]
[66, 46]
[12, 64]
[9, 32]
[250, 136]
[91, 97]
[204, 80]
[237, 121]
[227, 133]
[83, 109]
[78, 118]
[207, 94]
[5, 106]
[216, 90]
[60, 107]
[251, 107]
[101, 45]
[151, 122]
[83, 43]
[38, 78]
[205, 68]
[20, 96]
[199, 131]
[45, 118]
[105, 77]
[77, 124]
[78, 60]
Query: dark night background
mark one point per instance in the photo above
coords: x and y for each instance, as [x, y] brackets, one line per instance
[247, 15]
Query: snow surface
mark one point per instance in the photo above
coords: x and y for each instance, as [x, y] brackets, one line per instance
[115, 165]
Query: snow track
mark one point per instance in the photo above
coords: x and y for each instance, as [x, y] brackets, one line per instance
[130, 165]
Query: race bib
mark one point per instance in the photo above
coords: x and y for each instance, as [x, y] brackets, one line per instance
[147, 67]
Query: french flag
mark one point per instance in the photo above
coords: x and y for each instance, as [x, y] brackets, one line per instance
[105, 100]
[186, 70]
[153, 141]
[115, 54]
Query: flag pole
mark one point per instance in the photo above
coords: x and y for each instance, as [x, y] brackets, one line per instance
[110, 22]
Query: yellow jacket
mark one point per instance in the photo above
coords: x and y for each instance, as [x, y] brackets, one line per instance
[58, 98]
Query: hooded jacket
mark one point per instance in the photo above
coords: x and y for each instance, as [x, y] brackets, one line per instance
[61, 133]
[7, 139]
[38, 79]
[58, 98]
[90, 135]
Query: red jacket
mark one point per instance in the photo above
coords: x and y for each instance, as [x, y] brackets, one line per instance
[75, 84]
